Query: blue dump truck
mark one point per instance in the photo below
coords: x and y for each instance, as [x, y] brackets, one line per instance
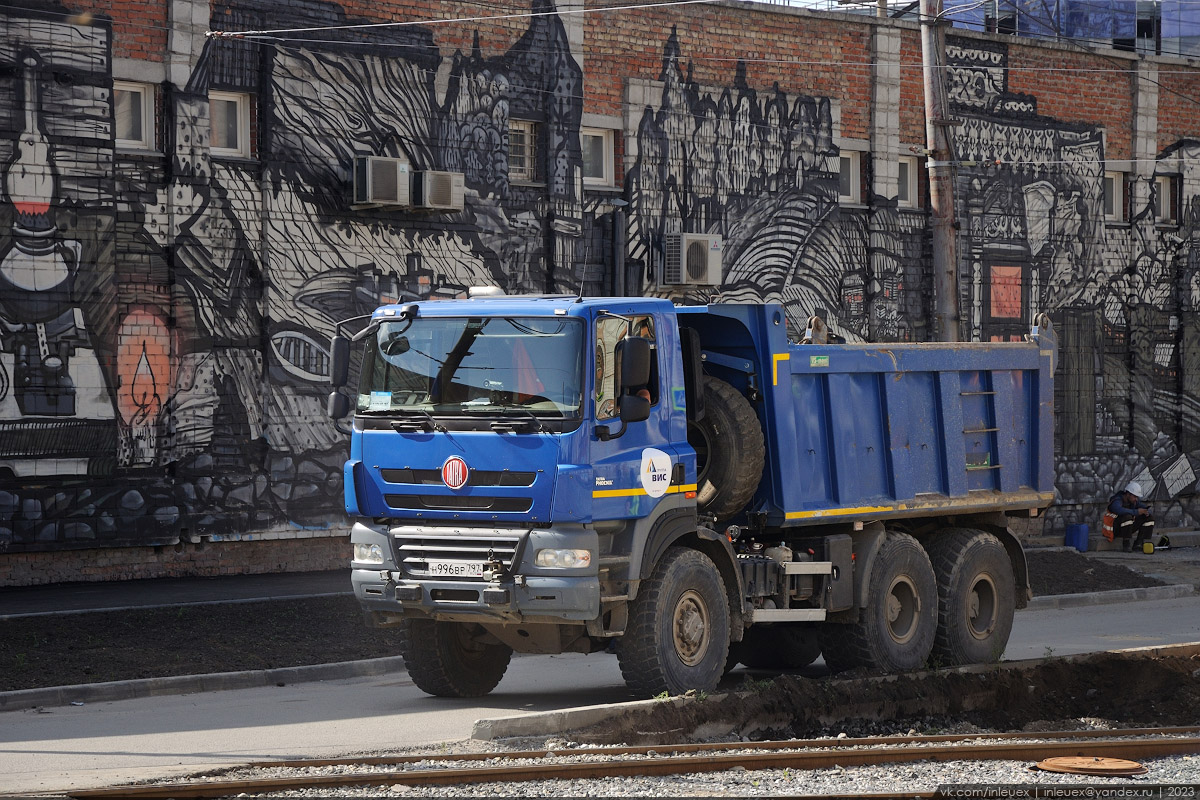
[684, 487]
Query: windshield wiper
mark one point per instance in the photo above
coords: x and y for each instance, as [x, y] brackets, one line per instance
[528, 417]
[420, 420]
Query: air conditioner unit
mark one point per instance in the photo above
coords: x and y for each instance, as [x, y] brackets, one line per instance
[442, 191]
[381, 181]
[693, 258]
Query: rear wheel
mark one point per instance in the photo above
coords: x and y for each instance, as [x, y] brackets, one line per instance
[678, 633]
[976, 597]
[780, 646]
[452, 659]
[896, 629]
[730, 452]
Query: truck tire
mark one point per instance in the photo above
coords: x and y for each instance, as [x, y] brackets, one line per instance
[678, 633]
[976, 597]
[896, 629]
[730, 452]
[445, 660]
[780, 646]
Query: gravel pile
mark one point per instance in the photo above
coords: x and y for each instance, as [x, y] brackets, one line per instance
[736, 782]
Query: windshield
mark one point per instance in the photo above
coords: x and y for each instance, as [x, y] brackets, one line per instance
[464, 365]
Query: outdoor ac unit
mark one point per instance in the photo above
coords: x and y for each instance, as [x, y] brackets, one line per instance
[381, 181]
[442, 191]
[693, 258]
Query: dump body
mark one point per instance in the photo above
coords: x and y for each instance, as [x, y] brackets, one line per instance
[888, 430]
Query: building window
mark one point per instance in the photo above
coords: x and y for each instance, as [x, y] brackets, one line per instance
[849, 183]
[1114, 196]
[906, 195]
[133, 115]
[1166, 208]
[230, 116]
[522, 150]
[597, 146]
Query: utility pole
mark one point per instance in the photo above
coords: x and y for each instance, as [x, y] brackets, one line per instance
[941, 171]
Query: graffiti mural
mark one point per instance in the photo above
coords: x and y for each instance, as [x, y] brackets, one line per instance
[760, 169]
[1037, 240]
[168, 379]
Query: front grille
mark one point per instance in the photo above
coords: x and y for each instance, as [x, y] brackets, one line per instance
[415, 552]
[476, 477]
[419, 502]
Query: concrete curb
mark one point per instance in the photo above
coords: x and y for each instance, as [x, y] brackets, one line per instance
[185, 684]
[546, 722]
[241, 600]
[1169, 592]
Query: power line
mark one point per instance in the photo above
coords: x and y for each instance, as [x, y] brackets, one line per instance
[524, 15]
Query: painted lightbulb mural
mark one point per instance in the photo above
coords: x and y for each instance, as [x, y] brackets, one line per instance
[50, 378]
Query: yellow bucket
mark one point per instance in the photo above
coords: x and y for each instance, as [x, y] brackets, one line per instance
[1147, 547]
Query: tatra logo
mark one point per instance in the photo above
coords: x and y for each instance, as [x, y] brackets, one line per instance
[655, 472]
[455, 472]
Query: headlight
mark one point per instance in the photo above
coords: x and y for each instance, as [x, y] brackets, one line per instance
[563, 559]
[368, 554]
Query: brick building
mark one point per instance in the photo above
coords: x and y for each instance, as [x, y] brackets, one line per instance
[179, 232]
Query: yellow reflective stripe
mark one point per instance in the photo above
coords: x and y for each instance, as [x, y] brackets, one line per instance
[958, 502]
[775, 359]
[684, 487]
[618, 492]
[835, 512]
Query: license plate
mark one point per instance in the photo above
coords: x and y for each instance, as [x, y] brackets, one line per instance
[455, 569]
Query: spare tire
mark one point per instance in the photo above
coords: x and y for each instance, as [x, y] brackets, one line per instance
[730, 452]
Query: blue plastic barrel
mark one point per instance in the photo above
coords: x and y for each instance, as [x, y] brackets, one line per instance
[1077, 537]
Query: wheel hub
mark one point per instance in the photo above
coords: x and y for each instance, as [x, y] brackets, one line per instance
[690, 628]
[903, 609]
[982, 605]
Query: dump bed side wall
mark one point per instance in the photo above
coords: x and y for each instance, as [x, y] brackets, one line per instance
[904, 429]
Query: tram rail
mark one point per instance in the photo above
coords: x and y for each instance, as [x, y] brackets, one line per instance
[650, 760]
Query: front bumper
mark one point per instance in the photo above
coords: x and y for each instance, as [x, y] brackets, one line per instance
[516, 592]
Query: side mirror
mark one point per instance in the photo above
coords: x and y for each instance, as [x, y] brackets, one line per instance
[339, 361]
[634, 355]
[634, 408]
[337, 405]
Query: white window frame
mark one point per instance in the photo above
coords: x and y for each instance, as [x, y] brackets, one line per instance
[145, 92]
[1118, 182]
[608, 138]
[529, 172]
[242, 101]
[1167, 198]
[855, 159]
[911, 184]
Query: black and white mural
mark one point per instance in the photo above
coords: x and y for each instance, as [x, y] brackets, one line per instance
[165, 316]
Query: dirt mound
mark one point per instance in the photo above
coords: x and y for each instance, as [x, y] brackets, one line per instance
[1122, 689]
[1069, 572]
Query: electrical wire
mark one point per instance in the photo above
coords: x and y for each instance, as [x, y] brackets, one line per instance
[523, 15]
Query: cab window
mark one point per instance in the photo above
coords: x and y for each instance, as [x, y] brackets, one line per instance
[609, 332]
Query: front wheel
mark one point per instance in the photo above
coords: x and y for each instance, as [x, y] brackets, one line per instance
[678, 633]
[452, 659]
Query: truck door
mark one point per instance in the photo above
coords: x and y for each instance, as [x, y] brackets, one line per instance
[635, 468]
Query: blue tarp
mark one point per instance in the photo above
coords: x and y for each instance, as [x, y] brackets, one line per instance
[1077, 19]
[1180, 18]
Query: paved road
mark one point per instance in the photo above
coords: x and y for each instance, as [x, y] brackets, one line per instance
[106, 743]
